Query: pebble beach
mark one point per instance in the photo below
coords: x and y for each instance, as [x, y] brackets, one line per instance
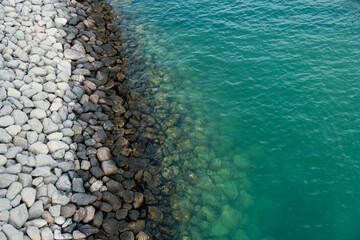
[73, 161]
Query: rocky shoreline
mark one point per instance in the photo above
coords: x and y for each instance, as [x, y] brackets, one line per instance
[76, 143]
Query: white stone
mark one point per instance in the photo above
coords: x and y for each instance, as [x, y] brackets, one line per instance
[33, 233]
[20, 117]
[38, 148]
[35, 125]
[54, 136]
[18, 216]
[13, 130]
[46, 234]
[3, 160]
[49, 126]
[14, 189]
[4, 136]
[28, 195]
[41, 172]
[4, 204]
[38, 114]
[57, 145]
[36, 210]
[12, 92]
[6, 121]
[12, 233]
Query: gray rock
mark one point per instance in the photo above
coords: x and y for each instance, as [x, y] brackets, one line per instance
[73, 55]
[35, 125]
[41, 172]
[77, 185]
[28, 195]
[13, 169]
[4, 204]
[7, 179]
[12, 151]
[6, 110]
[6, 121]
[7, 76]
[83, 199]
[3, 160]
[12, 233]
[38, 148]
[3, 148]
[14, 189]
[45, 160]
[68, 210]
[37, 71]
[25, 179]
[49, 126]
[50, 87]
[31, 137]
[18, 216]
[20, 117]
[63, 183]
[3, 93]
[36, 210]
[55, 210]
[66, 166]
[33, 233]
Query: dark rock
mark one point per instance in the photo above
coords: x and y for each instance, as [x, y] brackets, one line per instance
[128, 196]
[105, 207]
[112, 199]
[97, 172]
[138, 200]
[123, 142]
[149, 197]
[128, 235]
[137, 226]
[128, 174]
[110, 227]
[129, 183]
[100, 135]
[123, 226]
[83, 199]
[98, 219]
[142, 236]
[134, 214]
[79, 215]
[70, 228]
[121, 214]
[114, 187]
[155, 213]
[87, 229]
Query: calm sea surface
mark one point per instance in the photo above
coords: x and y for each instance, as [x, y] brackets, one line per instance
[272, 89]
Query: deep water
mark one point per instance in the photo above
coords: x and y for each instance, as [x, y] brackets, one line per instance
[266, 94]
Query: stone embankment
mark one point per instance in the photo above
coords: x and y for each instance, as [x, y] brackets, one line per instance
[74, 144]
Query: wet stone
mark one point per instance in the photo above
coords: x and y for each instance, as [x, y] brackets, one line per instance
[110, 227]
[128, 235]
[128, 196]
[121, 214]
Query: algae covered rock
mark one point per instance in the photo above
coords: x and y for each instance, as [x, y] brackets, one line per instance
[241, 161]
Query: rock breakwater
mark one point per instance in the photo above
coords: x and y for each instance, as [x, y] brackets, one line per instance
[76, 142]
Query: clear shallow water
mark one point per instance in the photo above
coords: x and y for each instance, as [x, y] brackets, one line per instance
[268, 92]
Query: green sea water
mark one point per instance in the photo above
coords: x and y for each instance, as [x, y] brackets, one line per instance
[268, 97]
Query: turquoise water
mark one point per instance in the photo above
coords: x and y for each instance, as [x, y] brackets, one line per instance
[267, 145]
